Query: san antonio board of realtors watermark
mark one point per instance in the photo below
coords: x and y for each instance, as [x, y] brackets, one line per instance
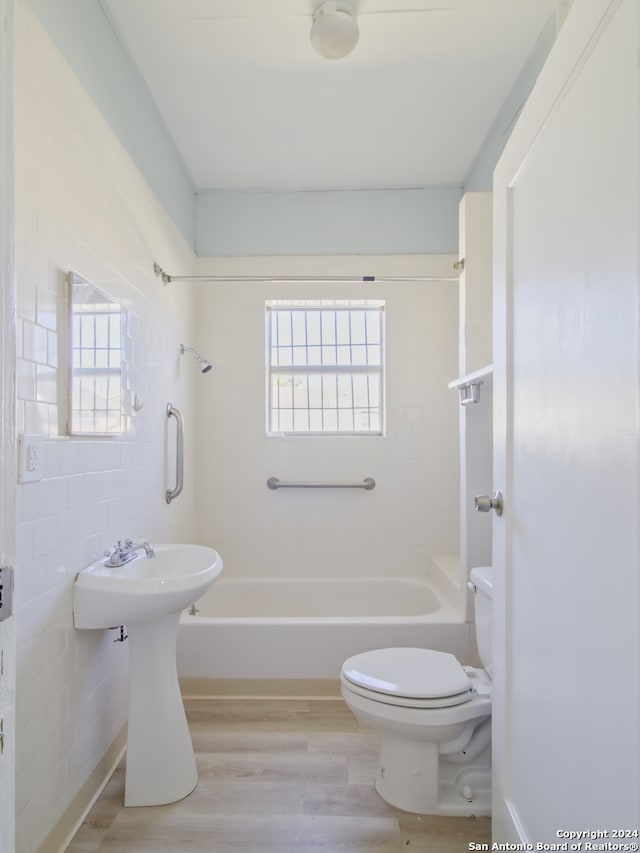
[583, 841]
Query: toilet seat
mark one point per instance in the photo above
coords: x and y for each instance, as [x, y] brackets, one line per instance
[408, 677]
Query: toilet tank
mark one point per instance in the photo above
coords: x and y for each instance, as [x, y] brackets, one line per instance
[482, 587]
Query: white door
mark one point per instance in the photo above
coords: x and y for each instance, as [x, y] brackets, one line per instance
[7, 429]
[566, 191]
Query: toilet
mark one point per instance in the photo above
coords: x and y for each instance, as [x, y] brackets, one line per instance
[435, 718]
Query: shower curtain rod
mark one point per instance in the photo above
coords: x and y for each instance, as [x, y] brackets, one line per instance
[302, 279]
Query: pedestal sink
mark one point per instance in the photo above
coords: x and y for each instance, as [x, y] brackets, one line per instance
[147, 594]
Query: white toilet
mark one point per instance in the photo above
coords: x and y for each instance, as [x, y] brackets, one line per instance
[435, 717]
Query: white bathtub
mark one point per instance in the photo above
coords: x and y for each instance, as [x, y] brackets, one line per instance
[281, 629]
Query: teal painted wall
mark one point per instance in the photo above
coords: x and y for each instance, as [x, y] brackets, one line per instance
[84, 35]
[351, 222]
[246, 223]
[480, 177]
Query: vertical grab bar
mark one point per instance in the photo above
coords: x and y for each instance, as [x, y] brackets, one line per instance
[172, 412]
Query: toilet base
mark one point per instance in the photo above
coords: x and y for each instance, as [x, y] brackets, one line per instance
[413, 777]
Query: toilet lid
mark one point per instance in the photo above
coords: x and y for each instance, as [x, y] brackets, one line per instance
[410, 673]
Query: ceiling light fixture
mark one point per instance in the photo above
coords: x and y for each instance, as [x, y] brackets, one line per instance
[334, 31]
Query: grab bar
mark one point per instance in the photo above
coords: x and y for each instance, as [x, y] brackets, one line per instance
[172, 412]
[368, 483]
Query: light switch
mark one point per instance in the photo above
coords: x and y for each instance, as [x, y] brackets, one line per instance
[30, 460]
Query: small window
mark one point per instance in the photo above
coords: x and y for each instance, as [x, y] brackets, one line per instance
[325, 367]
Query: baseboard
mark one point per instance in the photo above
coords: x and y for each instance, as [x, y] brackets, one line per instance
[66, 827]
[260, 688]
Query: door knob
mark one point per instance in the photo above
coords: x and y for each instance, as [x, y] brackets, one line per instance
[483, 503]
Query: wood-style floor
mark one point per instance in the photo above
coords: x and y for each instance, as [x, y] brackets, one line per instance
[275, 776]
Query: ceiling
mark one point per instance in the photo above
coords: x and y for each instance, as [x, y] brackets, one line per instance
[250, 105]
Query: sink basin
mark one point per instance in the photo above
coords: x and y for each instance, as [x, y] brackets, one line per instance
[143, 588]
[148, 594]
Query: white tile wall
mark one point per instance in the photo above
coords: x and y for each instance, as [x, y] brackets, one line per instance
[413, 511]
[82, 205]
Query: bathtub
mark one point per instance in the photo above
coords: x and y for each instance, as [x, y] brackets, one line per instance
[286, 630]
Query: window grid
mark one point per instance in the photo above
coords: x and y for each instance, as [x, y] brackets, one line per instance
[325, 368]
[96, 359]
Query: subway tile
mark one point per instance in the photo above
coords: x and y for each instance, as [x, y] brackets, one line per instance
[24, 541]
[66, 452]
[107, 455]
[25, 296]
[36, 418]
[45, 535]
[32, 500]
[34, 342]
[46, 384]
[46, 308]
[25, 379]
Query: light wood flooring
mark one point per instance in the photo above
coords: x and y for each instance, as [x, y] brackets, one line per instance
[275, 776]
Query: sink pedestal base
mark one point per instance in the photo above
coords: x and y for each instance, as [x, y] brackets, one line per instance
[161, 766]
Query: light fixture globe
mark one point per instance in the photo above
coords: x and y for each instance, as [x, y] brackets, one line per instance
[334, 32]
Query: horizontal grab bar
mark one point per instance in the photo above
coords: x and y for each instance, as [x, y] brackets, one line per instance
[368, 483]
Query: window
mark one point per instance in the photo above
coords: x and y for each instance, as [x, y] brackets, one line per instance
[96, 361]
[325, 365]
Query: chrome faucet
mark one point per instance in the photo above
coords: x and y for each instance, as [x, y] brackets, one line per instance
[125, 551]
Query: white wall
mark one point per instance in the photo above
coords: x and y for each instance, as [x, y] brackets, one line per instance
[476, 353]
[81, 204]
[413, 511]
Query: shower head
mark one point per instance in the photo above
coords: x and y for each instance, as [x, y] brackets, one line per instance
[205, 366]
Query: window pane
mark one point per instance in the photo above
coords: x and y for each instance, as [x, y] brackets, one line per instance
[361, 391]
[358, 354]
[284, 392]
[345, 420]
[300, 393]
[102, 358]
[330, 420]
[344, 340]
[315, 392]
[373, 354]
[102, 331]
[342, 327]
[344, 355]
[299, 331]
[329, 392]
[357, 327]
[283, 320]
[345, 396]
[286, 421]
[315, 355]
[300, 355]
[114, 331]
[368, 419]
[328, 355]
[374, 392]
[300, 420]
[373, 327]
[313, 327]
[328, 327]
[316, 420]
